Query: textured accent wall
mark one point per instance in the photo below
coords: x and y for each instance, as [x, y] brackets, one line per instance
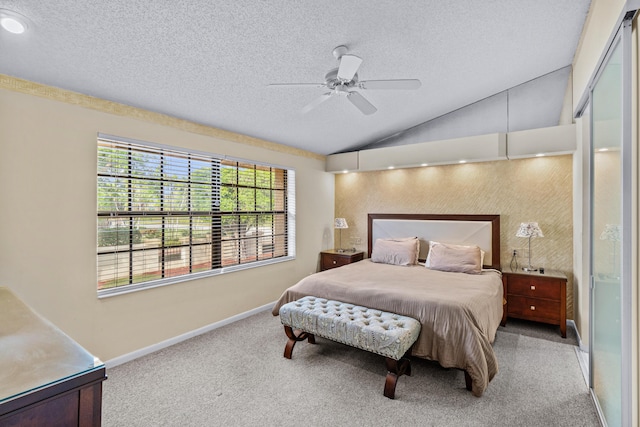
[536, 189]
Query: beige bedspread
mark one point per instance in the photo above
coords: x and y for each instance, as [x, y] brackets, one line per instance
[459, 313]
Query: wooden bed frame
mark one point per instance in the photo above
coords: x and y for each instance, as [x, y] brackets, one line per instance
[423, 225]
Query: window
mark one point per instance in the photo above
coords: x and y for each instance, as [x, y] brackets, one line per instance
[166, 215]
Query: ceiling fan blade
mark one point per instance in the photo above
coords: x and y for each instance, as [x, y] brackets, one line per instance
[349, 65]
[390, 84]
[361, 103]
[313, 104]
[298, 84]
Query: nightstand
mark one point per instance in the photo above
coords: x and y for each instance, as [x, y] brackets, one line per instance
[332, 258]
[537, 297]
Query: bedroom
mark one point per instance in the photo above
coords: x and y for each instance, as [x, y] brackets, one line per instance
[47, 168]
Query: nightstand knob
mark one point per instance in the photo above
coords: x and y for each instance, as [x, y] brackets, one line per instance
[334, 261]
[533, 288]
[533, 307]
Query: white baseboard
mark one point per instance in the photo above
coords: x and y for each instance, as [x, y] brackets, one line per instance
[582, 353]
[572, 324]
[175, 340]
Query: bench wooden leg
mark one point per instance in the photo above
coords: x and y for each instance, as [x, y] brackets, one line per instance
[395, 369]
[293, 339]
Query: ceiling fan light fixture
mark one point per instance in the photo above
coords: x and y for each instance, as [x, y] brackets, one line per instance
[339, 51]
[342, 79]
[341, 90]
[13, 22]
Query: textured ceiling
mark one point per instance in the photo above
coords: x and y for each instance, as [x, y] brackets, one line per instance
[211, 61]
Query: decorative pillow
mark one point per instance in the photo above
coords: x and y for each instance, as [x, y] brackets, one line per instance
[455, 258]
[396, 251]
[426, 263]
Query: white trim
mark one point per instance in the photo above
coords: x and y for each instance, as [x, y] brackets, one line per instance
[582, 352]
[175, 340]
[583, 361]
[572, 324]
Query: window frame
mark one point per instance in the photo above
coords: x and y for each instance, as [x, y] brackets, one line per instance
[286, 214]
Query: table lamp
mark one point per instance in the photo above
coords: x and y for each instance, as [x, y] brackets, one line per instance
[340, 223]
[530, 230]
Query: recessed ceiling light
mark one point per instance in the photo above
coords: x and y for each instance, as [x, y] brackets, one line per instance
[345, 171]
[13, 21]
[390, 167]
[603, 150]
[540, 155]
[425, 164]
[462, 161]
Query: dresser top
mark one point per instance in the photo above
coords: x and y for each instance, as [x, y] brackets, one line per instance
[556, 274]
[346, 252]
[33, 352]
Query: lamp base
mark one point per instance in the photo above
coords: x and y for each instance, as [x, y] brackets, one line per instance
[529, 269]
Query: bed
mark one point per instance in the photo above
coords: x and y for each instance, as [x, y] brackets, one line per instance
[459, 311]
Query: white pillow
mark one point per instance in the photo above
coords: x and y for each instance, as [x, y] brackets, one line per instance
[454, 258]
[396, 251]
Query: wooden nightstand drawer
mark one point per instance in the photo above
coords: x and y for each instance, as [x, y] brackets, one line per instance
[534, 309]
[534, 287]
[541, 297]
[333, 259]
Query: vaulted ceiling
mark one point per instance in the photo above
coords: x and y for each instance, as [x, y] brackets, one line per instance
[211, 62]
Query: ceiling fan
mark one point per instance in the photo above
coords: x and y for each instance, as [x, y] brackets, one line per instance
[342, 81]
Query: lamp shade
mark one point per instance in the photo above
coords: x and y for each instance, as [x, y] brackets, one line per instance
[341, 223]
[529, 229]
[611, 232]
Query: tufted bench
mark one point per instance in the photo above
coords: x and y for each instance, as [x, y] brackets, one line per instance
[387, 334]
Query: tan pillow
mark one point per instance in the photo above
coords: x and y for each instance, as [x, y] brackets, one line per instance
[433, 242]
[396, 251]
[455, 258]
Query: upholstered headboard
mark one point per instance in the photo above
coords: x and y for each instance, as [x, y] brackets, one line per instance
[481, 230]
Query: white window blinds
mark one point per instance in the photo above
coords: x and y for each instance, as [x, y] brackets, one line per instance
[165, 213]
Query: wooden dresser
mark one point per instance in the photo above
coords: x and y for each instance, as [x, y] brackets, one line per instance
[332, 258]
[46, 378]
[538, 297]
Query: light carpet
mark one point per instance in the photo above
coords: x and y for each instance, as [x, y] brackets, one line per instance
[237, 376]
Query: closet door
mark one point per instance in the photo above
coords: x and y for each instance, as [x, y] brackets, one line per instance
[606, 239]
[611, 154]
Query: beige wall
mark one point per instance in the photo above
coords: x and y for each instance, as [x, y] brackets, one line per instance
[48, 222]
[600, 23]
[538, 189]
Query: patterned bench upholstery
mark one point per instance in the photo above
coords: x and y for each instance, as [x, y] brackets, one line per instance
[387, 334]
